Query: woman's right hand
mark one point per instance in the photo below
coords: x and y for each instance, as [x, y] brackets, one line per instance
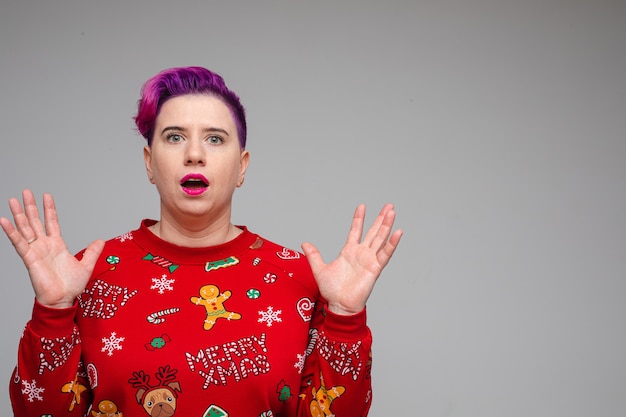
[57, 276]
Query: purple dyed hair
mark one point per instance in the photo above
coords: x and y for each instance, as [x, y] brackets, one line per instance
[175, 82]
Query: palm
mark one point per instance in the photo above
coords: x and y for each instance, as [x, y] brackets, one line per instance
[347, 282]
[56, 275]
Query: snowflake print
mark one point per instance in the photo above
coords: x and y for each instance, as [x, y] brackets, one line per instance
[112, 343]
[33, 391]
[299, 365]
[270, 316]
[162, 284]
[124, 237]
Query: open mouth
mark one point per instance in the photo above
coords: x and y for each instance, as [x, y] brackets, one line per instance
[194, 184]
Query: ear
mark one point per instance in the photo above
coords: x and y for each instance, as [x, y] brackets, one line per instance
[139, 394]
[244, 161]
[147, 158]
[174, 386]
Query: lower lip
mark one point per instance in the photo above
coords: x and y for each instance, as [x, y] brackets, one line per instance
[194, 191]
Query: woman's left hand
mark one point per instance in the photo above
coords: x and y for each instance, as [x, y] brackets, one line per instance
[347, 282]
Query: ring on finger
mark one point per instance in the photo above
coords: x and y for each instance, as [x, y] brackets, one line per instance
[32, 240]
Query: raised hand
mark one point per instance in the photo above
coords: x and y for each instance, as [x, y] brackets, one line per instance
[347, 282]
[56, 275]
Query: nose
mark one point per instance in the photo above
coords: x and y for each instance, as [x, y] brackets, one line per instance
[194, 154]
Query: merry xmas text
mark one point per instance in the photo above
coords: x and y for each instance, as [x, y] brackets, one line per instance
[234, 361]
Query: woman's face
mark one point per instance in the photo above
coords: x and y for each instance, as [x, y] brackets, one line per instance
[195, 159]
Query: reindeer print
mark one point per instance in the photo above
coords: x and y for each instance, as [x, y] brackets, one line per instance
[158, 400]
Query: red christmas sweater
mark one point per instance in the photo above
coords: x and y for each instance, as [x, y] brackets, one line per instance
[233, 330]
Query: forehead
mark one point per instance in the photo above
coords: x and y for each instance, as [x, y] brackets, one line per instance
[195, 110]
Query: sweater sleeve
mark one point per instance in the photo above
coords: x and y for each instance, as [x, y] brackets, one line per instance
[49, 379]
[336, 377]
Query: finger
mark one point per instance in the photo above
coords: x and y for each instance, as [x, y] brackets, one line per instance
[32, 214]
[15, 237]
[92, 253]
[19, 217]
[22, 223]
[375, 228]
[50, 216]
[313, 256]
[384, 230]
[389, 249]
[356, 228]
[9, 229]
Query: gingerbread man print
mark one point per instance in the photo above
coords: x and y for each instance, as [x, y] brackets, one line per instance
[213, 302]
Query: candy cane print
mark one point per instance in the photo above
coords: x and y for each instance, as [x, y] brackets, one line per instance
[156, 318]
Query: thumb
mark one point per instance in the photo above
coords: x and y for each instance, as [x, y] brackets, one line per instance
[92, 253]
[313, 256]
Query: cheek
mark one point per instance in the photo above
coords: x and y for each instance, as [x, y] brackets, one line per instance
[161, 162]
[226, 174]
[158, 168]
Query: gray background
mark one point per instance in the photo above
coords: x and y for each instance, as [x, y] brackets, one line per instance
[496, 127]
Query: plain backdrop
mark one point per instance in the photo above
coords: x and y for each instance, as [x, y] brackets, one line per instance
[497, 127]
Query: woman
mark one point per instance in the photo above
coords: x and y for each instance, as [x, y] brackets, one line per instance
[191, 315]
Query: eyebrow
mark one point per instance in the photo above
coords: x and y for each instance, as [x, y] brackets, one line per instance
[182, 129]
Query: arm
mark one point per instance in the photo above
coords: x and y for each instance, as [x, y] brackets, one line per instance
[336, 378]
[337, 372]
[47, 378]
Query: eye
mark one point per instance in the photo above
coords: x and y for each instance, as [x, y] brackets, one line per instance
[174, 138]
[170, 399]
[149, 404]
[215, 140]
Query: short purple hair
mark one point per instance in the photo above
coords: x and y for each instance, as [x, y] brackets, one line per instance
[175, 82]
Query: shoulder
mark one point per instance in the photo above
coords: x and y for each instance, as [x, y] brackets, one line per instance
[277, 253]
[288, 260]
[115, 249]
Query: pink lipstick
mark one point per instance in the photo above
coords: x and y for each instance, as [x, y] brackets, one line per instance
[194, 184]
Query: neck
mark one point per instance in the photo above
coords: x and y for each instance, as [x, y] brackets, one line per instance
[195, 235]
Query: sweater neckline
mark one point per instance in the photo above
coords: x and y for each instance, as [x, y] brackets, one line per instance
[150, 242]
